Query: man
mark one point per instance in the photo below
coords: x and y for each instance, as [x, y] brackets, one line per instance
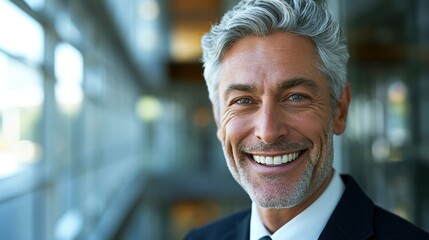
[276, 75]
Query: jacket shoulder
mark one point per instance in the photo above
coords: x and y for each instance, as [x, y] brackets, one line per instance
[390, 226]
[223, 228]
[357, 217]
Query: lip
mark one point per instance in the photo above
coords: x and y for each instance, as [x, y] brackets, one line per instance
[277, 169]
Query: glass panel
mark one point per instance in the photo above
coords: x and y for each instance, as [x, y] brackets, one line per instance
[22, 36]
[36, 4]
[69, 74]
[21, 99]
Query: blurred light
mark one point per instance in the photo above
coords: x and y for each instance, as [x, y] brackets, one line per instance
[380, 149]
[186, 42]
[68, 64]
[397, 93]
[148, 108]
[69, 98]
[202, 117]
[22, 36]
[8, 168]
[69, 225]
[69, 74]
[147, 30]
[148, 10]
[28, 151]
[397, 113]
[397, 136]
[193, 213]
[402, 212]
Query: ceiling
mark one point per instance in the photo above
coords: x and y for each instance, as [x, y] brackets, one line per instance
[163, 36]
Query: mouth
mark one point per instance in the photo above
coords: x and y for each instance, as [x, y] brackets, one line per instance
[276, 160]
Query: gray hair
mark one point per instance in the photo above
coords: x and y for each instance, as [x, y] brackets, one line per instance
[264, 17]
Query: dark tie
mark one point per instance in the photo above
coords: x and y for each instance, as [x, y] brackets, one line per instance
[265, 238]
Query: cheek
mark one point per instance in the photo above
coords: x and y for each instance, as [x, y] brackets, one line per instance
[312, 125]
[235, 130]
[228, 124]
[232, 135]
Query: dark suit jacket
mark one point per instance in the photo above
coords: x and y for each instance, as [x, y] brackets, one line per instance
[355, 217]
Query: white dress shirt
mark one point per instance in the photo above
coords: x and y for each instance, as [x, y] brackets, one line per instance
[309, 223]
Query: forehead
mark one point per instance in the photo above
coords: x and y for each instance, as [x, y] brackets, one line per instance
[277, 57]
[279, 41]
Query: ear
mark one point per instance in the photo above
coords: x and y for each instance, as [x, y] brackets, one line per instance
[342, 110]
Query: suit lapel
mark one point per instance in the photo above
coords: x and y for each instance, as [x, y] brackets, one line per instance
[353, 215]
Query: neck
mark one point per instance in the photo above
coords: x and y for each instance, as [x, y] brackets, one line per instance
[274, 218]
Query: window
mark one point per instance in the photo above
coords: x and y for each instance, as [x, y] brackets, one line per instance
[69, 74]
[24, 38]
[21, 90]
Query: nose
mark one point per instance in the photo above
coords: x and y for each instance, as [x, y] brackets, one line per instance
[270, 124]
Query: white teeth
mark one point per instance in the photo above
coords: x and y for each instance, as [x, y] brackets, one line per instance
[257, 158]
[277, 160]
[285, 158]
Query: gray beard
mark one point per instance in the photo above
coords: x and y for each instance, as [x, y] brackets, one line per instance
[289, 195]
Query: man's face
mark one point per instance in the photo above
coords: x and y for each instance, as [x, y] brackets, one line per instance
[276, 121]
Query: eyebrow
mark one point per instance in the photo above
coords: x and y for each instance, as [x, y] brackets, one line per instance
[287, 84]
[239, 87]
[298, 82]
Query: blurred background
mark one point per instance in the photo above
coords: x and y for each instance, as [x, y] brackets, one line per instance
[106, 130]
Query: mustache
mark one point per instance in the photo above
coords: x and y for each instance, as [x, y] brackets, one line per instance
[277, 146]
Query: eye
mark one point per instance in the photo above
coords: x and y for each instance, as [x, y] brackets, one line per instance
[243, 101]
[296, 97]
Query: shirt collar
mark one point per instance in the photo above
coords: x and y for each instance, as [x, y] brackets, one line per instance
[298, 227]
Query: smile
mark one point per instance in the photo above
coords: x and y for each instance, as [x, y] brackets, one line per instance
[276, 160]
